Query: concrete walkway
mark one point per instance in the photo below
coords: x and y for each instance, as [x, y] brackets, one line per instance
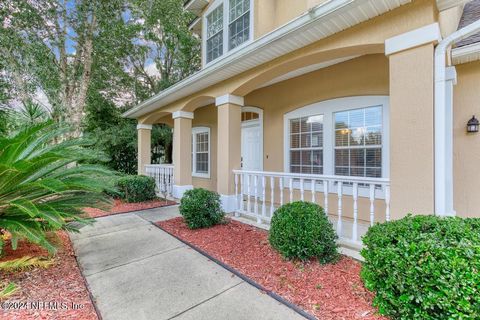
[136, 271]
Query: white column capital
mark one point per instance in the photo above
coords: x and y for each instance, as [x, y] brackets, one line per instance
[229, 98]
[144, 126]
[426, 34]
[182, 114]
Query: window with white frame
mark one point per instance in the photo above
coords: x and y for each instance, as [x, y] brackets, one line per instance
[214, 39]
[306, 144]
[358, 142]
[228, 24]
[201, 152]
[345, 136]
[239, 22]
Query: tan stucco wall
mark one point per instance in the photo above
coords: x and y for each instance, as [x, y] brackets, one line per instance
[466, 147]
[144, 141]
[207, 117]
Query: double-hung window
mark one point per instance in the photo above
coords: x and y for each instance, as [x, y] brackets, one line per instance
[358, 142]
[227, 26]
[343, 137]
[215, 33]
[239, 22]
[201, 152]
[306, 144]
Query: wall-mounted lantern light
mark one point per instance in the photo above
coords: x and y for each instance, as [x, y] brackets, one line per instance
[472, 125]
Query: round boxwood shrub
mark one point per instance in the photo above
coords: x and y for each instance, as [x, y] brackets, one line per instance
[302, 230]
[424, 267]
[136, 188]
[201, 208]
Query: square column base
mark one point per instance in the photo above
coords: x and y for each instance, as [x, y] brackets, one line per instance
[178, 191]
[229, 203]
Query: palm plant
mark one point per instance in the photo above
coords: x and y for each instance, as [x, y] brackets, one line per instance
[45, 185]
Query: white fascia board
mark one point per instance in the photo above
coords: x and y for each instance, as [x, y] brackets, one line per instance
[466, 53]
[144, 126]
[318, 23]
[182, 114]
[229, 98]
[427, 34]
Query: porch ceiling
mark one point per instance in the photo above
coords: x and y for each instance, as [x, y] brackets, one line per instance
[318, 23]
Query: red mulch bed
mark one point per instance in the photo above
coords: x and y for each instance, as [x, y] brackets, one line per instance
[61, 283]
[122, 207]
[333, 291]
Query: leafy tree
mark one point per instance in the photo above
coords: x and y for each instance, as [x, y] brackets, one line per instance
[49, 46]
[43, 185]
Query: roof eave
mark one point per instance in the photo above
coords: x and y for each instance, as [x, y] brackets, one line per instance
[294, 33]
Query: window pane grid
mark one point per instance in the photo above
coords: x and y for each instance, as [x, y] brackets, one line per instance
[200, 150]
[239, 22]
[306, 145]
[215, 34]
[358, 142]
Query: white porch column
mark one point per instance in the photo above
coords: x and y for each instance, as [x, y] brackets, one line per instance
[182, 152]
[229, 142]
[144, 133]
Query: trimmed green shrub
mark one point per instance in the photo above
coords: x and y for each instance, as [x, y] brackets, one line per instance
[201, 208]
[136, 188]
[424, 267]
[302, 230]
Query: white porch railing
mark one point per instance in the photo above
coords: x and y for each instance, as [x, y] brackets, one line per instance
[259, 193]
[163, 175]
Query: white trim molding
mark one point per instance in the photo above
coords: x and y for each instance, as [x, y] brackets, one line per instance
[144, 126]
[178, 191]
[229, 203]
[427, 34]
[182, 114]
[466, 54]
[229, 98]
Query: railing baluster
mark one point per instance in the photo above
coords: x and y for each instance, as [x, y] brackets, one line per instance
[290, 186]
[255, 197]
[237, 200]
[339, 222]
[355, 212]
[313, 190]
[280, 185]
[264, 206]
[302, 190]
[372, 203]
[242, 191]
[387, 202]
[325, 194]
[272, 195]
[248, 194]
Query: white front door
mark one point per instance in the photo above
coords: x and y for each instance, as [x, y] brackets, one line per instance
[252, 153]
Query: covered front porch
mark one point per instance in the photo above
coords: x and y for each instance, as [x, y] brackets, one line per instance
[325, 124]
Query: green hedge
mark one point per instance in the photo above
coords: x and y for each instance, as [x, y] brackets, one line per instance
[302, 230]
[424, 267]
[136, 188]
[201, 208]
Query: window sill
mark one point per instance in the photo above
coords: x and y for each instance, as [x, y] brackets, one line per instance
[201, 175]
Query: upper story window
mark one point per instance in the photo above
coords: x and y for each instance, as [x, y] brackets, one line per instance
[215, 33]
[239, 23]
[227, 25]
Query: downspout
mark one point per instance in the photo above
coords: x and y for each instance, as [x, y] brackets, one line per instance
[443, 124]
